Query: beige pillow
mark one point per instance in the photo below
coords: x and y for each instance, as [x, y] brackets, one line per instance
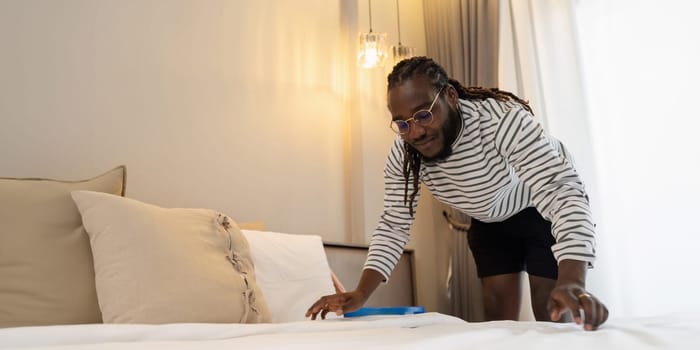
[159, 265]
[46, 271]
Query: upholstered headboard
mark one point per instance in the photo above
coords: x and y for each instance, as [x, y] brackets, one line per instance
[347, 260]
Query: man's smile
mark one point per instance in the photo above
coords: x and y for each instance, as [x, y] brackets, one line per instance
[424, 142]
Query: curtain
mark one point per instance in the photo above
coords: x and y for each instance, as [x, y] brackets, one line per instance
[539, 61]
[613, 79]
[642, 74]
[462, 35]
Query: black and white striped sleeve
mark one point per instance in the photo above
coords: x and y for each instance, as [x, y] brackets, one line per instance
[557, 191]
[392, 232]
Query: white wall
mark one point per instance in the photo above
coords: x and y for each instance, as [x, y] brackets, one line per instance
[253, 108]
[373, 117]
[232, 105]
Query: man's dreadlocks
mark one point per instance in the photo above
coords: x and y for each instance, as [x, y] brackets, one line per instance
[427, 68]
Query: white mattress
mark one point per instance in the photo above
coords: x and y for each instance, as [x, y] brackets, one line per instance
[425, 331]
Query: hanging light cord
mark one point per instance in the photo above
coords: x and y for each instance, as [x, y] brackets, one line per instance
[398, 21]
[370, 15]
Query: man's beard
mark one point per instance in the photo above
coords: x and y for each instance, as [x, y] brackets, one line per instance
[450, 130]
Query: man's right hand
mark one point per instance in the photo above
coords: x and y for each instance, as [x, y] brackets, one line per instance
[339, 303]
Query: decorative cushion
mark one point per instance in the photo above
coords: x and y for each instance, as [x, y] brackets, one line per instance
[292, 270]
[46, 270]
[158, 265]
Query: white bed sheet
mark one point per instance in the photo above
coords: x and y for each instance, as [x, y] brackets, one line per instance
[425, 331]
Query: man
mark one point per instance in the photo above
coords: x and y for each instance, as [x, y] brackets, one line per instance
[480, 151]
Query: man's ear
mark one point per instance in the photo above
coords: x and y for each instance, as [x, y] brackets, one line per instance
[452, 95]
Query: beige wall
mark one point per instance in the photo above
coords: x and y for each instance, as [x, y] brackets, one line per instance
[233, 105]
[254, 108]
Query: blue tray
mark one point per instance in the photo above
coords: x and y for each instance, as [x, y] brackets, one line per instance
[395, 310]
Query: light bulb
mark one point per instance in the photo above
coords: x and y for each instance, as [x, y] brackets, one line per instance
[373, 52]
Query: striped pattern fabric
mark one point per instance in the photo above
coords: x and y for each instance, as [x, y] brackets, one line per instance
[502, 162]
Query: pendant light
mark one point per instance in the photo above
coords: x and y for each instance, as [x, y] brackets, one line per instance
[373, 51]
[400, 51]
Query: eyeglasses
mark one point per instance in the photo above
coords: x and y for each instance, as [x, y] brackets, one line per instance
[422, 117]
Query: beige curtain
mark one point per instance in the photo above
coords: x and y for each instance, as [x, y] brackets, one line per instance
[462, 35]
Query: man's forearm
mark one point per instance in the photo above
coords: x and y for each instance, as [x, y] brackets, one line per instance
[369, 281]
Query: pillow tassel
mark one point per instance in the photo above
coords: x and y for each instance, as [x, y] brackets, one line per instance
[235, 260]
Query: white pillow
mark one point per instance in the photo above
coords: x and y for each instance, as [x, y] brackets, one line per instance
[292, 271]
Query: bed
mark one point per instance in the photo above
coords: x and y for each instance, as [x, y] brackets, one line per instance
[82, 267]
[422, 331]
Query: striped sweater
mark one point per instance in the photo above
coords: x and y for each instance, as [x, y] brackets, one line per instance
[502, 162]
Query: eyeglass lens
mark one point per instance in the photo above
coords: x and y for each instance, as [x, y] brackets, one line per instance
[422, 117]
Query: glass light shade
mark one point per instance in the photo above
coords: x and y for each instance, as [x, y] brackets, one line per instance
[402, 52]
[373, 50]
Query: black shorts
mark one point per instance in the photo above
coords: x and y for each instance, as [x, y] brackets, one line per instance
[522, 242]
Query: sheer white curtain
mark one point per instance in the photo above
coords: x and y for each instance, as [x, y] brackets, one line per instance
[640, 60]
[617, 81]
[538, 61]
